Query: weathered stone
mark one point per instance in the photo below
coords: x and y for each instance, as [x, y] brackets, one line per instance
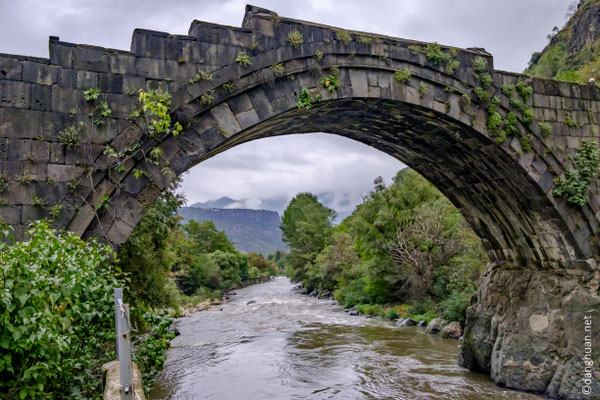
[452, 331]
[436, 325]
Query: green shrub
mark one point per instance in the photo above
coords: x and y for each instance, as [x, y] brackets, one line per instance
[151, 352]
[454, 308]
[54, 335]
[402, 75]
[427, 317]
[392, 314]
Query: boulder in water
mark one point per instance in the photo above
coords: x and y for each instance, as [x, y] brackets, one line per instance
[452, 331]
[405, 322]
[354, 312]
[251, 301]
[436, 325]
[421, 323]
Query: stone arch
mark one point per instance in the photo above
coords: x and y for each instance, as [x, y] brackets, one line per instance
[543, 261]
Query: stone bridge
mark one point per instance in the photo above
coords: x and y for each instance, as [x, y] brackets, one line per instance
[493, 142]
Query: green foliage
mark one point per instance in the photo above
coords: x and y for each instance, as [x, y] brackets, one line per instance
[228, 87]
[23, 179]
[38, 202]
[434, 54]
[527, 116]
[147, 254]
[151, 352]
[524, 90]
[55, 211]
[207, 98]
[243, 59]
[525, 142]
[422, 88]
[304, 99]
[494, 120]
[295, 38]
[402, 75]
[343, 37]
[482, 94]
[365, 40]
[574, 184]
[331, 82]
[510, 124]
[264, 266]
[479, 64]
[571, 123]
[202, 76]
[306, 228]
[508, 90]
[154, 107]
[91, 95]
[55, 336]
[466, 100]
[319, 55]
[545, 129]
[70, 137]
[3, 183]
[278, 69]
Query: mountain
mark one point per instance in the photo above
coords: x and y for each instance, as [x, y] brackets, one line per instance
[223, 202]
[573, 51]
[250, 230]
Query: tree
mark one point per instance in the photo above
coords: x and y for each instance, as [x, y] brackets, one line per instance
[263, 265]
[307, 228]
[147, 256]
[207, 238]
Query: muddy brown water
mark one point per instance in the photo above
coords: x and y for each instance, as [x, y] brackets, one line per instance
[290, 346]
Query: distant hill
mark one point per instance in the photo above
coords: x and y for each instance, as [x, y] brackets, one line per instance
[573, 51]
[250, 230]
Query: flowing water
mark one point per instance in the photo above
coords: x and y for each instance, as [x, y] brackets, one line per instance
[290, 346]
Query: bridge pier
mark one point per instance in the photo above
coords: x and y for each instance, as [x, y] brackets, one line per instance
[527, 328]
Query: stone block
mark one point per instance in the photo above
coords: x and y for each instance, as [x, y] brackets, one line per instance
[110, 83]
[32, 213]
[89, 59]
[57, 153]
[119, 232]
[123, 64]
[133, 84]
[248, 118]
[63, 99]
[226, 120]
[10, 69]
[10, 215]
[41, 97]
[87, 79]
[63, 173]
[15, 94]
[150, 68]
[16, 123]
[19, 149]
[43, 74]
[61, 55]
[67, 78]
[40, 151]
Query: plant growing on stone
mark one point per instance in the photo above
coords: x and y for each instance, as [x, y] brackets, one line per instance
[55, 211]
[482, 94]
[402, 75]
[38, 202]
[207, 98]
[571, 123]
[319, 55]
[508, 89]
[422, 88]
[525, 142]
[70, 137]
[465, 99]
[545, 129]
[574, 184]
[243, 59]
[295, 38]
[23, 179]
[201, 76]
[524, 90]
[154, 108]
[343, 37]
[331, 82]
[365, 40]
[304, 99]
[228, 87]
[3, 183]
[91, 95]
[278, 69]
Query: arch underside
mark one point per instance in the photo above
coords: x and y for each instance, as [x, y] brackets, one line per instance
[507, 210]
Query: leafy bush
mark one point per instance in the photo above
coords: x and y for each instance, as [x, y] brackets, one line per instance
[57, 310]
[392, 314]
[454, 308]
[151, 352]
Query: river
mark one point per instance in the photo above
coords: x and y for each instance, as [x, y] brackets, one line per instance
[291, 346]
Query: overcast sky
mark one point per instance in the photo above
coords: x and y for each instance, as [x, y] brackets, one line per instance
[280, 167]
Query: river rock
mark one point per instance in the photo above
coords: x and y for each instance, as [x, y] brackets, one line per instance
[354, 312]
[251, 301]
[421, 323]
[405, 322]
[452, 331]
[436, 325]
[313, 293]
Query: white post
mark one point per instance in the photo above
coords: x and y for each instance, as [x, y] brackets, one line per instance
[118, 298]
[124, 350]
